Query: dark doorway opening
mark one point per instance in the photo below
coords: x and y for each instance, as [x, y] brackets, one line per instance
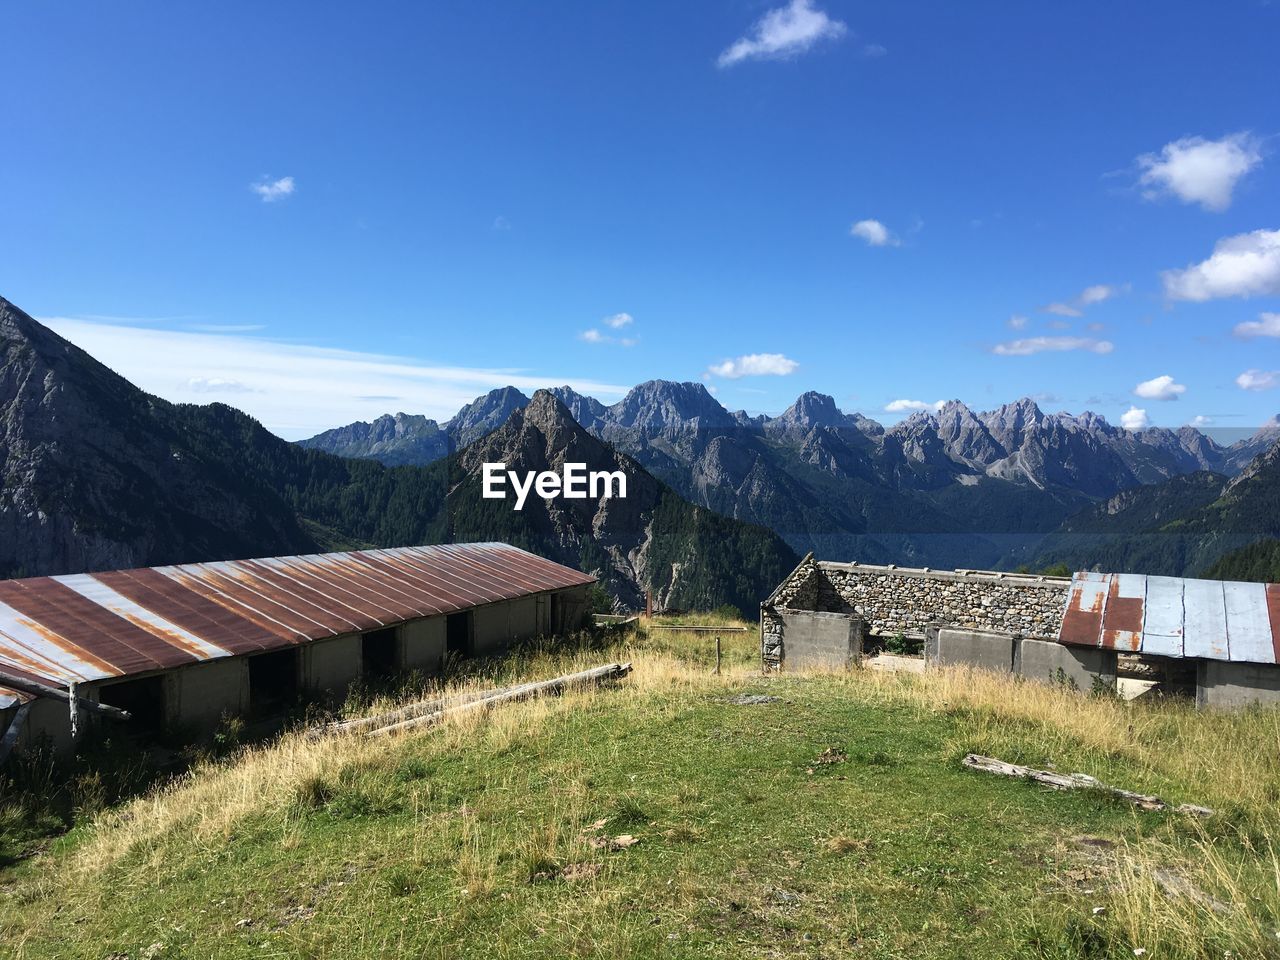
[273, 681]
[557, 626]
[379, 653]
[458, 634]
[143, 698]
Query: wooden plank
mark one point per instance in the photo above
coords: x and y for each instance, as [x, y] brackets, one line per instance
[1205, 634]
[1248, 627]
[1162, 623]
[1075, 781]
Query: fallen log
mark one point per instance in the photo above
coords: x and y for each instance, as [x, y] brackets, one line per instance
[44, 690]
[524, 691]
[1077, 781]
[412, 710]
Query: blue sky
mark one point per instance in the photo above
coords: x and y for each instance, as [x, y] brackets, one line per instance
[320, 212]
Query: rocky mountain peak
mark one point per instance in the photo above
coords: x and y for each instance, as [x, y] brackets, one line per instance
[484, 414]
[660, 405]
[813, 409]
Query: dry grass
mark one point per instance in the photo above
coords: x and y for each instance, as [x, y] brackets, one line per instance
[1191, 890]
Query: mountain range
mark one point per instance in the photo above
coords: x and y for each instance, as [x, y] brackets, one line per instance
[96, 474]
[949, 487]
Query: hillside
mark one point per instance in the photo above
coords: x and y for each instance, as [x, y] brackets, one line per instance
[668, 817]
[99, 475]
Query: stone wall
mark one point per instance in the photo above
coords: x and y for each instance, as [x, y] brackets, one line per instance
[905, 600]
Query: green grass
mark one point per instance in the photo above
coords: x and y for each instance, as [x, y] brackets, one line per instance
[834, 821]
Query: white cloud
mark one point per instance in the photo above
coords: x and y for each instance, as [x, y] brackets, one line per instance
[294, 389]
[874, 232]
[1244, 265]
[1098, 293]
[1267, 325]
[619, 320]
[217, 385]
[1196, 170]
[1017, 322]
[782, 33]
[903, 406]
[273, 190]
[874, 50]
[1030, 345]
[501, 223]
[1200, 420]
[1258, 380]
[593, 336]
[1159, 388]
[1085, 298]
[1134, 419]
[754, 365]
[221, 327]
[1063, 310]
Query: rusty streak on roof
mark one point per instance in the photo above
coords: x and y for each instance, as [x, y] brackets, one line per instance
[91, 626]
[1174, 617]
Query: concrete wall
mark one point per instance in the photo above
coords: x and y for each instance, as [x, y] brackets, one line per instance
[491, 626]
[51, 720]
[331, 665]
[821, 640]
[422, 644]
[975, 648]
[1052, 662]
[1228, 685]
[522, 618]
[200, 694]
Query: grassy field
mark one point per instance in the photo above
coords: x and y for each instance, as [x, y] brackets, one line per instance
[667, 817]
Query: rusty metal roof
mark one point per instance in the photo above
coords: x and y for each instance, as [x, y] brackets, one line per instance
[1174, 617]
[70, 629]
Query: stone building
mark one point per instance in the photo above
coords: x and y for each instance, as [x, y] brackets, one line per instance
[183, 646]
[1128, 632]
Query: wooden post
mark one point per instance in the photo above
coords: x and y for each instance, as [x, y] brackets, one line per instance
[648, 603]
[717, 656]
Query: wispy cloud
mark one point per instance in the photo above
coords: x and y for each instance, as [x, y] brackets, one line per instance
[1258, 380]
[501, 223]
[1200, 420]
[1017, 322]
[272, 190]
[1200, 171]
[1087, 297]
[1267, 325]
[1160, 388]
[296, 390]
[910, 406]
[617, 321]
[1031, 345]
[783, 33]
[754, 365]
[875, 233]
[224, 327]
[1135, 419]
[1062, 309]
[1245, 265]
[218, 385]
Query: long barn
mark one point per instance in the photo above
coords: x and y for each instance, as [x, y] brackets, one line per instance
[183, 646]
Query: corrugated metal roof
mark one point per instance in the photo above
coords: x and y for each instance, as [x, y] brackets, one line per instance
[1174, 617]
[61, 630]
